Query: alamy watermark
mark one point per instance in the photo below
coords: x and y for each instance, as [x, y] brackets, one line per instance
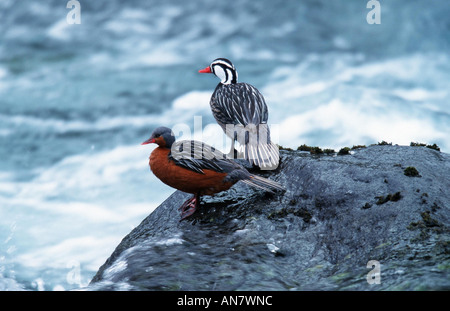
[374, 16]
[374, 275]
[74, 15]
[73, 277]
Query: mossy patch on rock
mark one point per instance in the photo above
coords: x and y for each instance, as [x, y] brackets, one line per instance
[315, 149]
[384, 143]
[285, 148]
[329, 151]
[390, 197]
[311, 149]
[411, 171]
[358, 147]
[427, 222]
[433, 146]
[299, 212]
[344, 151]
[304, 147]
[367, 206]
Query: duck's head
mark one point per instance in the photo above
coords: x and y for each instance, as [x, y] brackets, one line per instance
[162, 136]
[223, 69]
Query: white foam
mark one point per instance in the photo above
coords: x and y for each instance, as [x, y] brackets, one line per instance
[345, 101]
[170, 241]
[283, 30]
[419, 94]
[306, 90]
[38, 8]
[63, 126]
[89, 251]
[3, 84]
[341, 42]
[134, 14]
[86, 170]
[17, 32]
[9, 284]
[194, 100]
[59, 30]
[160, 56]
[100, 58]
[86, 192]
[182, 110]
[3, 72]
[125, 26]
[352, 124]
[294, 82]
[73, 210]
[403, 68]
[117, 267]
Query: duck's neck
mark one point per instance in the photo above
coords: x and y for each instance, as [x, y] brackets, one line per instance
[226, 75]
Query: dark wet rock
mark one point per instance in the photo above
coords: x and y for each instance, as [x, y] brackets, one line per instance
[338, 213]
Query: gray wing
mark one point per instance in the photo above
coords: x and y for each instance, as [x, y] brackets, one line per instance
[243, 107]
[239, 103]
[197, 156]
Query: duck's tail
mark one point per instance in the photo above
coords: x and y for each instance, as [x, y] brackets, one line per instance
[263, 183]
[265, 156]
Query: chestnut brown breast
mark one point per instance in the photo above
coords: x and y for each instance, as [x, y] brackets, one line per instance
[183, 179]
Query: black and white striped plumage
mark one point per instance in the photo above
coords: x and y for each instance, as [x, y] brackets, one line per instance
[241, 111]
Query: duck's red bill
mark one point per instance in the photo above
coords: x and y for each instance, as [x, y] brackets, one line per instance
[148, 141]
[206, 70]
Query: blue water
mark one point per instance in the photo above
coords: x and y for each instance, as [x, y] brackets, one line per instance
[76, 101]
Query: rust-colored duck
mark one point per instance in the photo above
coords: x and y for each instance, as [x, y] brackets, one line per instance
[197, 168]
